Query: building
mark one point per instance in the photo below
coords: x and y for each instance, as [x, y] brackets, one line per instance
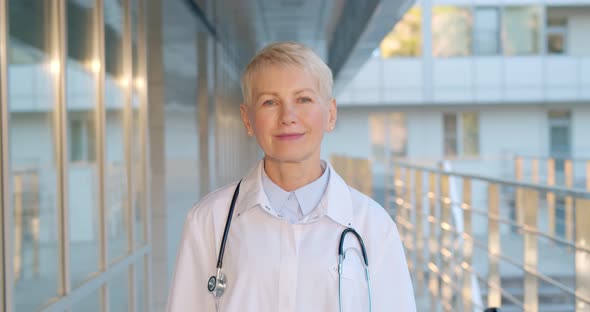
[475, 81]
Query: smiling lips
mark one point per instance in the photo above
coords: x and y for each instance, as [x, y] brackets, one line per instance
[289, 136]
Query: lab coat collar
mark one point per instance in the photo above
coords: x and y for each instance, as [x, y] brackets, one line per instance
[336, 203]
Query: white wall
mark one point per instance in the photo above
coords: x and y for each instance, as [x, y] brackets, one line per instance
[425, 136]
[351, 136]
[581, 132]
[513, 130]
[470, 80]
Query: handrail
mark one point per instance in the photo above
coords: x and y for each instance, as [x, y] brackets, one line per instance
[442, 210]
[545, 188]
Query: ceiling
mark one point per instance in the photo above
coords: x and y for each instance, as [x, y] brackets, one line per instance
[343, 32]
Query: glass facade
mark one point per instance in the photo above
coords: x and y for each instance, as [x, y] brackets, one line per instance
[405, 39]
[75, 103]
[520, 29]
[451, 31]
[486, 31]
[81, 85]
[461, 134]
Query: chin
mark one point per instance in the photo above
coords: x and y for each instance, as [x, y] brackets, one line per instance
[293, 157]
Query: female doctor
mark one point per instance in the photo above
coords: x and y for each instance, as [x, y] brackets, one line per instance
[297, 237]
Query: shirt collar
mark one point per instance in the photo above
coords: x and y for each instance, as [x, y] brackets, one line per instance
[308, 196]
[336, 203]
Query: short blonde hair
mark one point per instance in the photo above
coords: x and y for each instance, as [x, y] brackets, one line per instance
[288, 53]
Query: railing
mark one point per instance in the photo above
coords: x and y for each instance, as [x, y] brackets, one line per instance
[568, 172]
[474, 241]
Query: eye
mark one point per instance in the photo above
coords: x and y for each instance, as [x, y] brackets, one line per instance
[268, 103]
[304, 100]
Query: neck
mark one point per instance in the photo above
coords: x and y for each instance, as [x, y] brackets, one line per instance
[292, 175]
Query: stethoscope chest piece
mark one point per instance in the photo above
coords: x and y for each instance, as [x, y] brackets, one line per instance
[217, 284]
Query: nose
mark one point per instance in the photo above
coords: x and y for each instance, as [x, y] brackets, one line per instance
[288, 115]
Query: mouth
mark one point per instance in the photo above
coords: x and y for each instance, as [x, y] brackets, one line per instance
[289, 136]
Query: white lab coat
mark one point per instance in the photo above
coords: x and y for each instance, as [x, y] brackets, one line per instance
[272, 265]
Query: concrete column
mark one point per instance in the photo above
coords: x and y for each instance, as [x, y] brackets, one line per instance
[203, 110]
[156, 156]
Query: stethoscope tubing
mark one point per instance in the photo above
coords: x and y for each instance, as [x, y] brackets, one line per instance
[341, 253]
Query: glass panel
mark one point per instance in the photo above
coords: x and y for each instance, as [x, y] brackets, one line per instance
[140, 284]
[470, 134]
[116, 175]
[450, 134]
[451, 31]
[89, 304]
[406, 37]
[556, 34]
[83, 66]
[559, 140]
[398, 134]
[33, 69]
[520, 29]
[486, 31]
[377, 136]
[119, 292]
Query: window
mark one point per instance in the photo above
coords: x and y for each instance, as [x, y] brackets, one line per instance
[451, 31]
[450, 134]
[486, 31]
[405, 39]
[520, 30]
[388, 135]
[556, 35]
[82, 143]
[461, 134]
[559, 137]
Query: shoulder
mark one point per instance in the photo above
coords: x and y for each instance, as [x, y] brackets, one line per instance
[369, 214]
[211, 204]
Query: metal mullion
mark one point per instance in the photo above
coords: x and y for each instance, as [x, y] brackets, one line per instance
[6, 286]
[128, 143]
[101, 154]
[58, 53]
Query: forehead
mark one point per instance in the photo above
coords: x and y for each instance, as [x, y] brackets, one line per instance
[278, 77]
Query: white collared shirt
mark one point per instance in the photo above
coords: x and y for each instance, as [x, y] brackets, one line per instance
[295, 205]
[272, 265]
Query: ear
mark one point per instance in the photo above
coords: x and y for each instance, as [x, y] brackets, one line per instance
[246, 119]
[332, 115]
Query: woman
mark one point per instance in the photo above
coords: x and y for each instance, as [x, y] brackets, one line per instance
[290, 210]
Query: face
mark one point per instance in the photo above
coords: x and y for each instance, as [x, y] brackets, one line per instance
[287, 114]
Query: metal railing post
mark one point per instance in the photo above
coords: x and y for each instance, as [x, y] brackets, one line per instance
[418, 200]
[467, 246]
[494, 293]
[569, 201]
[551, 197]
[582, 258]
[530, 252]
[445, 237]
[433, 285]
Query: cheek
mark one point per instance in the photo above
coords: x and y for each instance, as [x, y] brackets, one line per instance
[318, 119]
[262, 122]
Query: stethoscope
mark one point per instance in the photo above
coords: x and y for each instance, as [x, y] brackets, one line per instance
[218, 282]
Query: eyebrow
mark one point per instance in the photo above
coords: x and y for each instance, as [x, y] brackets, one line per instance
[296, 92]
